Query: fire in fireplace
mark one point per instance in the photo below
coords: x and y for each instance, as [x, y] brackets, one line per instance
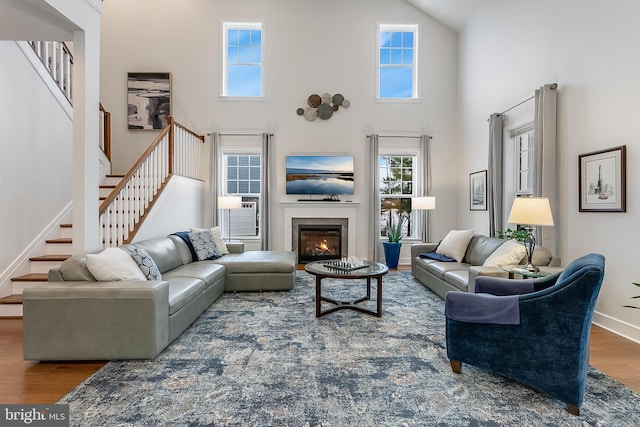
[318, 242]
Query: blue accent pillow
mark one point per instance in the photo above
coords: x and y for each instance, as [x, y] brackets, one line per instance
[146, 264]
[204, 244]
[436, 256]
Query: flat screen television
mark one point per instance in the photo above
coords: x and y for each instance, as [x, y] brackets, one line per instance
[319, 175]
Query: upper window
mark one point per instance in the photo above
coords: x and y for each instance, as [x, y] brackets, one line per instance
[397, 61]
[242, 59]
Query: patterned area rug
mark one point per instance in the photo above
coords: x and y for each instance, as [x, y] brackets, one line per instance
[264, 359]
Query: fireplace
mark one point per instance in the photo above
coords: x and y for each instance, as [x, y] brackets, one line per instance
[318, 242]
[317, 239]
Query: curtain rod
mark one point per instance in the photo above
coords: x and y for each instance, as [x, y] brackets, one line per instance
[553, 86]
[238, 134]
[400, 136]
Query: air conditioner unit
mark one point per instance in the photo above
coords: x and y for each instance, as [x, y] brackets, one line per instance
[244, 221]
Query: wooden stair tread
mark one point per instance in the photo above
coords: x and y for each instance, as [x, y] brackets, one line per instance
[31, 277]
[50, 258]
[11, 299]
[66, 240]
[115, 176]
[66, 225]
[107, 186]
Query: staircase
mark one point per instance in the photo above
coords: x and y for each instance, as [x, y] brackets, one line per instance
[56, 252]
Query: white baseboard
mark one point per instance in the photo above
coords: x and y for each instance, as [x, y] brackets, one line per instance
[21, 265]
[618, 327]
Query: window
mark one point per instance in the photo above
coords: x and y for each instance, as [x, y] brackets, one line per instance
[242, 178]
[242, 59]
[523, 148]
[397, 186]
[397, 61]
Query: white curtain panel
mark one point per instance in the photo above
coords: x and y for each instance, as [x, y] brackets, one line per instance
[425, 147]
[213, 176]
[545, 183]
[495, 175]
[374, 198]
[264, 190]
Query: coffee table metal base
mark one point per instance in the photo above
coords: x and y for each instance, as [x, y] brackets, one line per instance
[351, 305]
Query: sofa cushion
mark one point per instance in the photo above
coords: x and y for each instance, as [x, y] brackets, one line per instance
[113, 264]
[204, 244]
[439, 268]
[458, 278]
[510, 252]
[259, 262]
[184, 246]
[183, 290]
[455, 244]
[204, 270]
[479, 249]
[541, 256]
[163, 252]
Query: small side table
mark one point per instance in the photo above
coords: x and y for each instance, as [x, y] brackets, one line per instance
[514, 269]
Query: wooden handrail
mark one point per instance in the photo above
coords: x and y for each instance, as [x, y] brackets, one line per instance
[127, 177]
[176, 150]
[106, 131]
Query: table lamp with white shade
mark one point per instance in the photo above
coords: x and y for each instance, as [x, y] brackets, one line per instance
[424, 203]
[530, 212]
[227, 203]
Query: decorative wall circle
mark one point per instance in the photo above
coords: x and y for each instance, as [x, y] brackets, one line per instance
[322, 106]
[314, 100]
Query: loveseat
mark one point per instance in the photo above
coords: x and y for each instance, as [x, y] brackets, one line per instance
[459, 275]
[75, 317]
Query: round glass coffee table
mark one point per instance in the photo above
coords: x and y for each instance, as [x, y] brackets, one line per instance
[323, 270]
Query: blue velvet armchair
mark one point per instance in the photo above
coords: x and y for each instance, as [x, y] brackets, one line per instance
[534, 331]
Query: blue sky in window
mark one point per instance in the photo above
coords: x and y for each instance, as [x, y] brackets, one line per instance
[396, 48]
[244, 62]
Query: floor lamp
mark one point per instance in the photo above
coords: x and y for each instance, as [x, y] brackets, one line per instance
[227, 203]
[530, 212]
[424, 203]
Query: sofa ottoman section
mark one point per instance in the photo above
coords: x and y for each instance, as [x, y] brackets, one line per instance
[259, 271]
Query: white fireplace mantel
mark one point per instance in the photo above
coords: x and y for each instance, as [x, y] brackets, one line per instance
[305, 209]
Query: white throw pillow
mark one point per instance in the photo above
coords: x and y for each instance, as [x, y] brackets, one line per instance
[217, 236]
[113, 264]
[454, 245]
[510, 252]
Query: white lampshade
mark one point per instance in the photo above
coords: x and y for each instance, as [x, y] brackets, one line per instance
[531, 211]
[229, 202]
[427, 203]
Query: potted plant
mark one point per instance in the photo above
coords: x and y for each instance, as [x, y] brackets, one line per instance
[637, 296]
[519, 235]
[394, 235]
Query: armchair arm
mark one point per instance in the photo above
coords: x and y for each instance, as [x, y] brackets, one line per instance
[500, 286]
[482, 308]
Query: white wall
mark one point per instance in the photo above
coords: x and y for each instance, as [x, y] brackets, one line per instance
[310, 47]
[591, 49]
[36, 144]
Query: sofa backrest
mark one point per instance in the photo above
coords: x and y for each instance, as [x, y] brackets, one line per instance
[163, 251]
[479, 249]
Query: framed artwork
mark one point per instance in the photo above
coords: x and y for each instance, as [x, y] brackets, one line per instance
[603, 180]
[478, 191]
[148, 100]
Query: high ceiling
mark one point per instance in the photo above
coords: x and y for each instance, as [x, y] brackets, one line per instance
[452, 13]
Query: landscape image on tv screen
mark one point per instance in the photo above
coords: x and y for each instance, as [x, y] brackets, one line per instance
[327, 175]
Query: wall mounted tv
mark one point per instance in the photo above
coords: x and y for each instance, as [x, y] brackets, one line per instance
[319, 175]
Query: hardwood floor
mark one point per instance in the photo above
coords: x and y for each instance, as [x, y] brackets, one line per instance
[46, 382]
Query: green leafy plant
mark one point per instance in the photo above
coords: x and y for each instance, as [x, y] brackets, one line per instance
[637, 296]
[519, 235]
[394, 232]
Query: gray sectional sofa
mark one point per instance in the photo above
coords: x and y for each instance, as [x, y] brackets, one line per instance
[75, 317]
[442, 277]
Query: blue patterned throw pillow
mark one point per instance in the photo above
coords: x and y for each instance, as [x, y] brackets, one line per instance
[204, 244]
[146, 264]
